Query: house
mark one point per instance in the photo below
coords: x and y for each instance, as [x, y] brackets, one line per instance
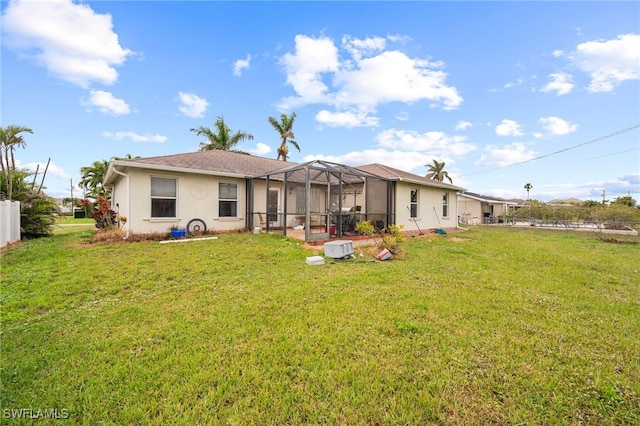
[229, 191]
[477, 209]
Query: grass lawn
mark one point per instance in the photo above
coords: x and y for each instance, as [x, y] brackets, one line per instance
[490, 326]
[68, 224]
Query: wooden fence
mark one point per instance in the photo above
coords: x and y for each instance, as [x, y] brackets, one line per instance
[9, 222]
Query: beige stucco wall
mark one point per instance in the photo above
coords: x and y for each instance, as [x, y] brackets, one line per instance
[473, 211]
[470, 210]
[428, 198]
[197, 198]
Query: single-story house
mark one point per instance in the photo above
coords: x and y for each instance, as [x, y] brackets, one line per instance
[477, 209]
[228, 191]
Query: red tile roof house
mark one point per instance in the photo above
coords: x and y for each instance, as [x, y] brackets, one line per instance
[227, 191]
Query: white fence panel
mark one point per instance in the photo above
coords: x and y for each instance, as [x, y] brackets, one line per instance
[9, 222]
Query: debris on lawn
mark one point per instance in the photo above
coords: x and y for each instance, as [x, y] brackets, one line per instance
[184, 240]
[384, 255]
[315, 260]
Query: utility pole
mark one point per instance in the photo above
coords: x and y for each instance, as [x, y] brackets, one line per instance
[603, 200]
[73, 205]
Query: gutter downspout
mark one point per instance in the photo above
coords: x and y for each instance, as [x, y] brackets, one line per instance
[128, 198]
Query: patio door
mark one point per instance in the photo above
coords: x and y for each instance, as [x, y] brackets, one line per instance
[273, 207]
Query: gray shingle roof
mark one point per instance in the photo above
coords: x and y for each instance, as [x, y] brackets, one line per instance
[212, 161]
[247, 166]
[397, 174]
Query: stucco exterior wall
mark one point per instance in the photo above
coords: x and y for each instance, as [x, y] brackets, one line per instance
[196, 198]
[470, 210]
[474, 211]
[428, 199]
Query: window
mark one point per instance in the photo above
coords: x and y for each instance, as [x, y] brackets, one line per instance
[414, 202]
[163, 197]
[445, 204]
[227, 200]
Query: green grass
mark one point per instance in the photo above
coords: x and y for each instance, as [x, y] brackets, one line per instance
[68, 225]
[490, 326]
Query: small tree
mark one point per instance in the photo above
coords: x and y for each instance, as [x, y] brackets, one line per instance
[37, 215]
[626, 200]
[391, 240]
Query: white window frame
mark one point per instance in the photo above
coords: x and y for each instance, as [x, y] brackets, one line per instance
[414, 202]
[222, 199]
[173, 198]
[445, 204]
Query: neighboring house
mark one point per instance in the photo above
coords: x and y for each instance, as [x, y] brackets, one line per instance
[477, 209]
[229, 191]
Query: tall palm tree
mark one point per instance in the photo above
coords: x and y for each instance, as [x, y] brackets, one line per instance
[92, 177]
[221, 137]
[436, 171]
[284, 128]
[10, 138]
[528, 187]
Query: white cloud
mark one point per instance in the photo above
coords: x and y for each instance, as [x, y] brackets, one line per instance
[363, 47]
[505, 155]
[609, 62]
[106, 103]
[557, 53]
[561, 83]
[135, 137]
[508, 128]
[304, 68]
[348, 119]
[402, 116]
[358, 85]
[557, 126]
[240, 65]
[434, 143]
[192, 105]
[463, 125]
[52, 171]
[519, 81]
[403, 160]
[392, 76]
[398, 38]
[260, 149]
[70, 40]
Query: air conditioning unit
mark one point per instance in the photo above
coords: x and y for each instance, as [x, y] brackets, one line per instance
[338, 249]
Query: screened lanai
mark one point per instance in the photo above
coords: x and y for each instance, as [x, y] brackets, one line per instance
[325, 199]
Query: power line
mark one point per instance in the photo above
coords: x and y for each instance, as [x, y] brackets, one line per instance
[610, 135]
[613, 153]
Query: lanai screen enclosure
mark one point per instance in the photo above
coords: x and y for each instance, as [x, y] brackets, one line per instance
[326, 199]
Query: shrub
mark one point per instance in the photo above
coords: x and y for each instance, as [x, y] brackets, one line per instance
[390, 238]
[103, 215]
[37, 215]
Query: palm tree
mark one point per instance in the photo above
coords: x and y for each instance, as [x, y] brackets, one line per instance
[437, 172]
[283, 127]
[10, 139]
[221, 137]
[528, 187]
[92, 177]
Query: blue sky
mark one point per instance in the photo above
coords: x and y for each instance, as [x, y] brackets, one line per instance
[504, 92]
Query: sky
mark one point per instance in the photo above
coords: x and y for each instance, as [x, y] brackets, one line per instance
[505, 93]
